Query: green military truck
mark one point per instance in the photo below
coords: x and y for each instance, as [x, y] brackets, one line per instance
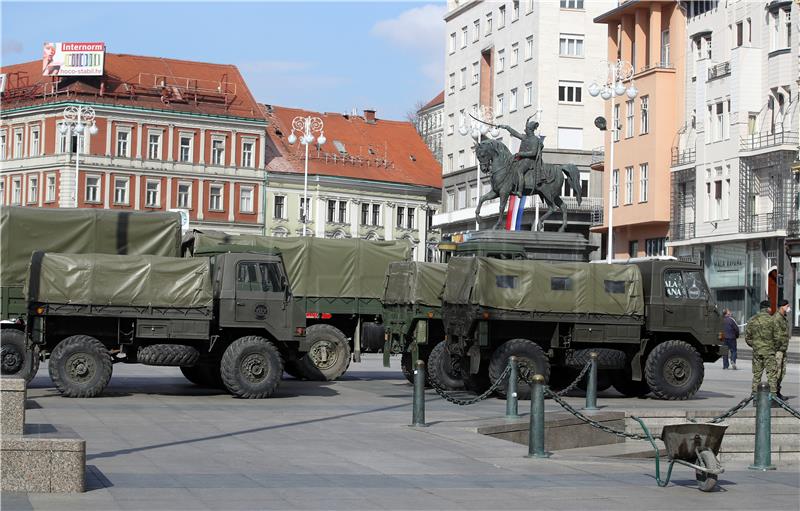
[412, 317]
[228, 318]
[26, 230]
[337, 282]
[653, 323]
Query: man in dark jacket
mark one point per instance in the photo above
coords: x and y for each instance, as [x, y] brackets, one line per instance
[731, 333]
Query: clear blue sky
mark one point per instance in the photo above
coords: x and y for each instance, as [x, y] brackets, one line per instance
[326, 56]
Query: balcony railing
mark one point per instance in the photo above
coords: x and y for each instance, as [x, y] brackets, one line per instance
[597, 216]
[765, 222]
[758, 141]
[657, 65]
[718, 71]
[683, 156]
[793, 229]
[598, 155]
[680, 232]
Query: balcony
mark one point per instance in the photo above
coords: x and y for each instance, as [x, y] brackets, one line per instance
[597, 216]
[793, 229]
[598, 157]
[679, 232]
[683, 156]
[758, 141]
[765, 222]
[718, 71]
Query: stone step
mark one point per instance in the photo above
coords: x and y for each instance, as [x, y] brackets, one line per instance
[627, 449]
[782, 425]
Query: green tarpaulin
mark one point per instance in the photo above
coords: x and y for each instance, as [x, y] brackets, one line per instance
[320, 267]
[410, 282]
[539, 286]
[81, 231]
[101, 279]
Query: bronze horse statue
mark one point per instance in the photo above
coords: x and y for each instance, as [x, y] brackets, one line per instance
[496, 160]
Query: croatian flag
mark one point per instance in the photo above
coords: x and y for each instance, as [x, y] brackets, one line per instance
[516, 207]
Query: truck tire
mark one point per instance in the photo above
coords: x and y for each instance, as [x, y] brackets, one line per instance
[329, 355]
[527, 352]
[405, 366]
[674, 370]
[15, 358]
[80, 366]
[442, 372]
[606, 358]
[167, 355]
[204, 375]
[251, 367]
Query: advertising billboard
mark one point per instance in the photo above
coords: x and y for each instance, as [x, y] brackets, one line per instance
[73, 59]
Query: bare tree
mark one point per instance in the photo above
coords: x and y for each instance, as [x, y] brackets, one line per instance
[413, 114]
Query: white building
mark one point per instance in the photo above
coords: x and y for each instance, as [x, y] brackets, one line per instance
[430, 126]
[521, 59]
[733, 192]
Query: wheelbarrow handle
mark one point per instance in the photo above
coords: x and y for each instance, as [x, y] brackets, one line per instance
[658, 457]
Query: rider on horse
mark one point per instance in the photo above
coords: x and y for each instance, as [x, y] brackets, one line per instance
[530, 148]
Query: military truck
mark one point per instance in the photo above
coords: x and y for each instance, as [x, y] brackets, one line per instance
[26, 230]
[228, 318]
[412, 317]
[337, 282]
[653, 322]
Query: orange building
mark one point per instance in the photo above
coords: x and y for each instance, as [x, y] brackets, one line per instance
[651, 36]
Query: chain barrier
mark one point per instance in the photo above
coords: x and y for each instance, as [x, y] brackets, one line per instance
[733, 410]
[783, 404]
[466, 402]
[566, 406]
[526, 375]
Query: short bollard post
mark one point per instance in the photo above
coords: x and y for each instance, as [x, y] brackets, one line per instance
[418, 414]
[511, 394]
[591, 385]
[762, 456]
[536, 428]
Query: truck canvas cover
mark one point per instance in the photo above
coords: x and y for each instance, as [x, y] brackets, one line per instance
[81, 231]
[134, 280]
[539, 286]
[320, 267]
[409, 282]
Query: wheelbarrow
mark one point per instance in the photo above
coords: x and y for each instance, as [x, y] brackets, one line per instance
[695, 445]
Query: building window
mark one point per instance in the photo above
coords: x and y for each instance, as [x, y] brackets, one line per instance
[665, 52]
[2, 192]
[514, 10]
[628, 185]
[450, 167]
[473, 195]
[152, 197]
[462, 198]
[215, 198]
[570, 45]
[501, 17]
[121, 190]
[655, 247]
[400, 216]
[18, 144]
[529, 47]
[279, 209]
[461, 159]
[154, 146]
[501, 61]
[615, 123]
[572, 4]
[629, 118]
[16, 191]
[476, 30]
[342, 212]
[218, 151]
[3, 145]
[50, 192]
[644, 125]
[123, 143]
[512, 100]
[92, 189]
[308, 210]
[331, 211]
[451, 84]
[476, 73]
[33, 190]
[410, 220]
[34, 149]
[644, 180]
[247, 153]
[500, 108]
[453, 42]
[464, 37]
[615, 189]
[569, 92]
[514, 54]
[451, 121]
[488, 23]
[246, 199]
[61, 139]
[633, 248]
[184, 195]
[365, 214]
[462, 78]
[528, 94]
[185, 148]
[376, 214]
[739, 33]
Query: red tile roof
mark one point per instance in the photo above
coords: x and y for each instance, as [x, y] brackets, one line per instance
[148, 82]
[381, 151]
[438, 100]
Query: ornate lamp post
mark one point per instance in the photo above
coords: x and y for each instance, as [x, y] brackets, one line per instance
[478, 129]
[612, 82]
[306, 126]
[78, 120]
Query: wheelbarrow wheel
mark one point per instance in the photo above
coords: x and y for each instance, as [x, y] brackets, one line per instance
[705, 480]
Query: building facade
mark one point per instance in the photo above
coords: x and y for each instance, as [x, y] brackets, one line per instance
[508, 62]
[430, 125]
[734, 195]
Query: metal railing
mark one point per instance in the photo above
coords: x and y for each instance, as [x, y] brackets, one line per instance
[764, 140]
[597, 216]
[683, 156]
[793, 229]
[718, 71]
[765, 222]
[682, 231]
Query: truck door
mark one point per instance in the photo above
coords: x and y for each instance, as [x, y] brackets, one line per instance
[260, 295]
[687, 305]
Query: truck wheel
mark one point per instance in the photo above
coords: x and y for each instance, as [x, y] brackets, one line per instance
[606, 358]
[15, 357]
[80, 366]
[405, 366]
[329, 355]
[167, 355]
[528, 353]
[443, 371]
[674, 370]
[204, 375]
[251, 367]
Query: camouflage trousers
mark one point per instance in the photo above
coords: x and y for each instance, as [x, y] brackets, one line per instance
[761, 362]
[781, 369]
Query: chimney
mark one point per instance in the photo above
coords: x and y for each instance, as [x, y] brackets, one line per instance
[369, 116]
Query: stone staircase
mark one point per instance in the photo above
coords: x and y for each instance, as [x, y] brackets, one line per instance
[41, 458]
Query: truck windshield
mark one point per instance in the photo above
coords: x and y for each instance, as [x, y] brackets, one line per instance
[253, 276]
[685, 284]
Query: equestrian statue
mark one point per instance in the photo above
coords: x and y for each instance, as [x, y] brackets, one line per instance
[525, 173]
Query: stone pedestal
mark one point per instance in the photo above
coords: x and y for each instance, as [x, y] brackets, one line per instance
[12, 406]
[548, 246]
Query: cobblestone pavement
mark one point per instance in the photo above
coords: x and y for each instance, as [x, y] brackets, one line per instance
[155, 441]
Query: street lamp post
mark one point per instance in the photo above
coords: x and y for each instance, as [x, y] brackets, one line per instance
[611, 84]
[478, 128]
[306, 126]
[79, 121]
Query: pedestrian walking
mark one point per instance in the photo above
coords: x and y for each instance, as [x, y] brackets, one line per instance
[781, 341]
[760, 334]
[730, 334]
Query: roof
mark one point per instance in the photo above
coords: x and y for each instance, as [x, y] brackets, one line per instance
[145, 82]
[379, 150]
[438, 100]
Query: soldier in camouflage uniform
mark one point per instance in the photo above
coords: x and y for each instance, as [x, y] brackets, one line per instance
[781, 341]
[761, 334]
